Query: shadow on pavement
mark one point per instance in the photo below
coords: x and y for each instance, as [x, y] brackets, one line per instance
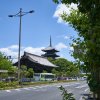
[87, 96]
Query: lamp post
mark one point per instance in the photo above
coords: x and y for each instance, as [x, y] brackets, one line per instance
[20, 14]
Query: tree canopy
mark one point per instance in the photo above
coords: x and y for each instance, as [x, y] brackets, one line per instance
[66, 68]
[86, 21]
[5, 64]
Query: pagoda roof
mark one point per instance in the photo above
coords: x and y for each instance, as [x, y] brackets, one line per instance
[50, 49]
[38, 59]
[51, 55]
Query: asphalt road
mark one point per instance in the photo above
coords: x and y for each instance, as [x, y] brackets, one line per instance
[45, 92]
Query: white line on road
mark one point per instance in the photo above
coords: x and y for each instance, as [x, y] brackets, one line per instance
[38, 86]
[17, 89]
[58, 86]
[81, 86]
[65, 85]
[32, 88]
[26, 88]
[86, 89]
[7, 90]
[81, 98]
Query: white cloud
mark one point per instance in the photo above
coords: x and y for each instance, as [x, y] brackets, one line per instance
[13, 47]
[11, 51]
[34, 50]
[59, 10]
[63, 8]
[66, 37]
[61, 46]
[71, 48]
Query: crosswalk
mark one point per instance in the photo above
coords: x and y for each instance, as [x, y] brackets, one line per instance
[82, 86]
[77, 88]
[27, 89]
[39, 88]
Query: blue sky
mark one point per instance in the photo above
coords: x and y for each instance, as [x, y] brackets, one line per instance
[36, 27]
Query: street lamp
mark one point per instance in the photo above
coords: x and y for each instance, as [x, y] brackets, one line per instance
[20, 14]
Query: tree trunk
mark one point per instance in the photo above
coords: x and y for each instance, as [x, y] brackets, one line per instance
[94, 96]
[97, 77]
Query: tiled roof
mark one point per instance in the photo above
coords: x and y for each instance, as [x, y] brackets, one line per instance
[39, 59]
[50, 48]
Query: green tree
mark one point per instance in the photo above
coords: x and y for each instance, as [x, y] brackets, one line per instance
[66, 68]
[5, 64]
[54, 71]
[63, 65]
[3, 75]
[73, 71]
[86, 21]
[30, 72]
[13, 71]
[51, 59]
[44, 71]
[86, 50]
[24, 72]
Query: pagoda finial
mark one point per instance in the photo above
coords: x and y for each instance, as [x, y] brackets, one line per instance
[50, 41]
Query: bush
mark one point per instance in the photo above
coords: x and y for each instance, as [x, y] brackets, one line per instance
[13, 84]
[65, 94]
[2, 85]
[5, 85]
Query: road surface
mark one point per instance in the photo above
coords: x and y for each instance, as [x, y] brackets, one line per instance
[45, 92]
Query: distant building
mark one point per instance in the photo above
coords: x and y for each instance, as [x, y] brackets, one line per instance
[50, 51]
[38, 63]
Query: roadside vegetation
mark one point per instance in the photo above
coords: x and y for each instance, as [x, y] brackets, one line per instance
[65, 94]
[86, 21]
[9, 74]
[66, 69]
[15, 84]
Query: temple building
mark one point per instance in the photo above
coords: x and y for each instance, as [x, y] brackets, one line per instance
[38, 63]
[50, 51]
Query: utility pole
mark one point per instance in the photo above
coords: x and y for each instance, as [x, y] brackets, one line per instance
[20, 14]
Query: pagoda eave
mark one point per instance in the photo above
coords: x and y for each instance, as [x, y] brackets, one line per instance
[50, 55]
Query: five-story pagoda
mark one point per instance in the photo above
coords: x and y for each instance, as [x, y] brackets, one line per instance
[50, 51]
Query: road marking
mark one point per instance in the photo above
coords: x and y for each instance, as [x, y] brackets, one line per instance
[58, 86]
[70, 91]
[81, 98]
[32, 88]
[86, 89]
[38, 86]
[66, 85]
[47, 86]
[8, 90]
[17, 89]
[26, 88]
[81, 86]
